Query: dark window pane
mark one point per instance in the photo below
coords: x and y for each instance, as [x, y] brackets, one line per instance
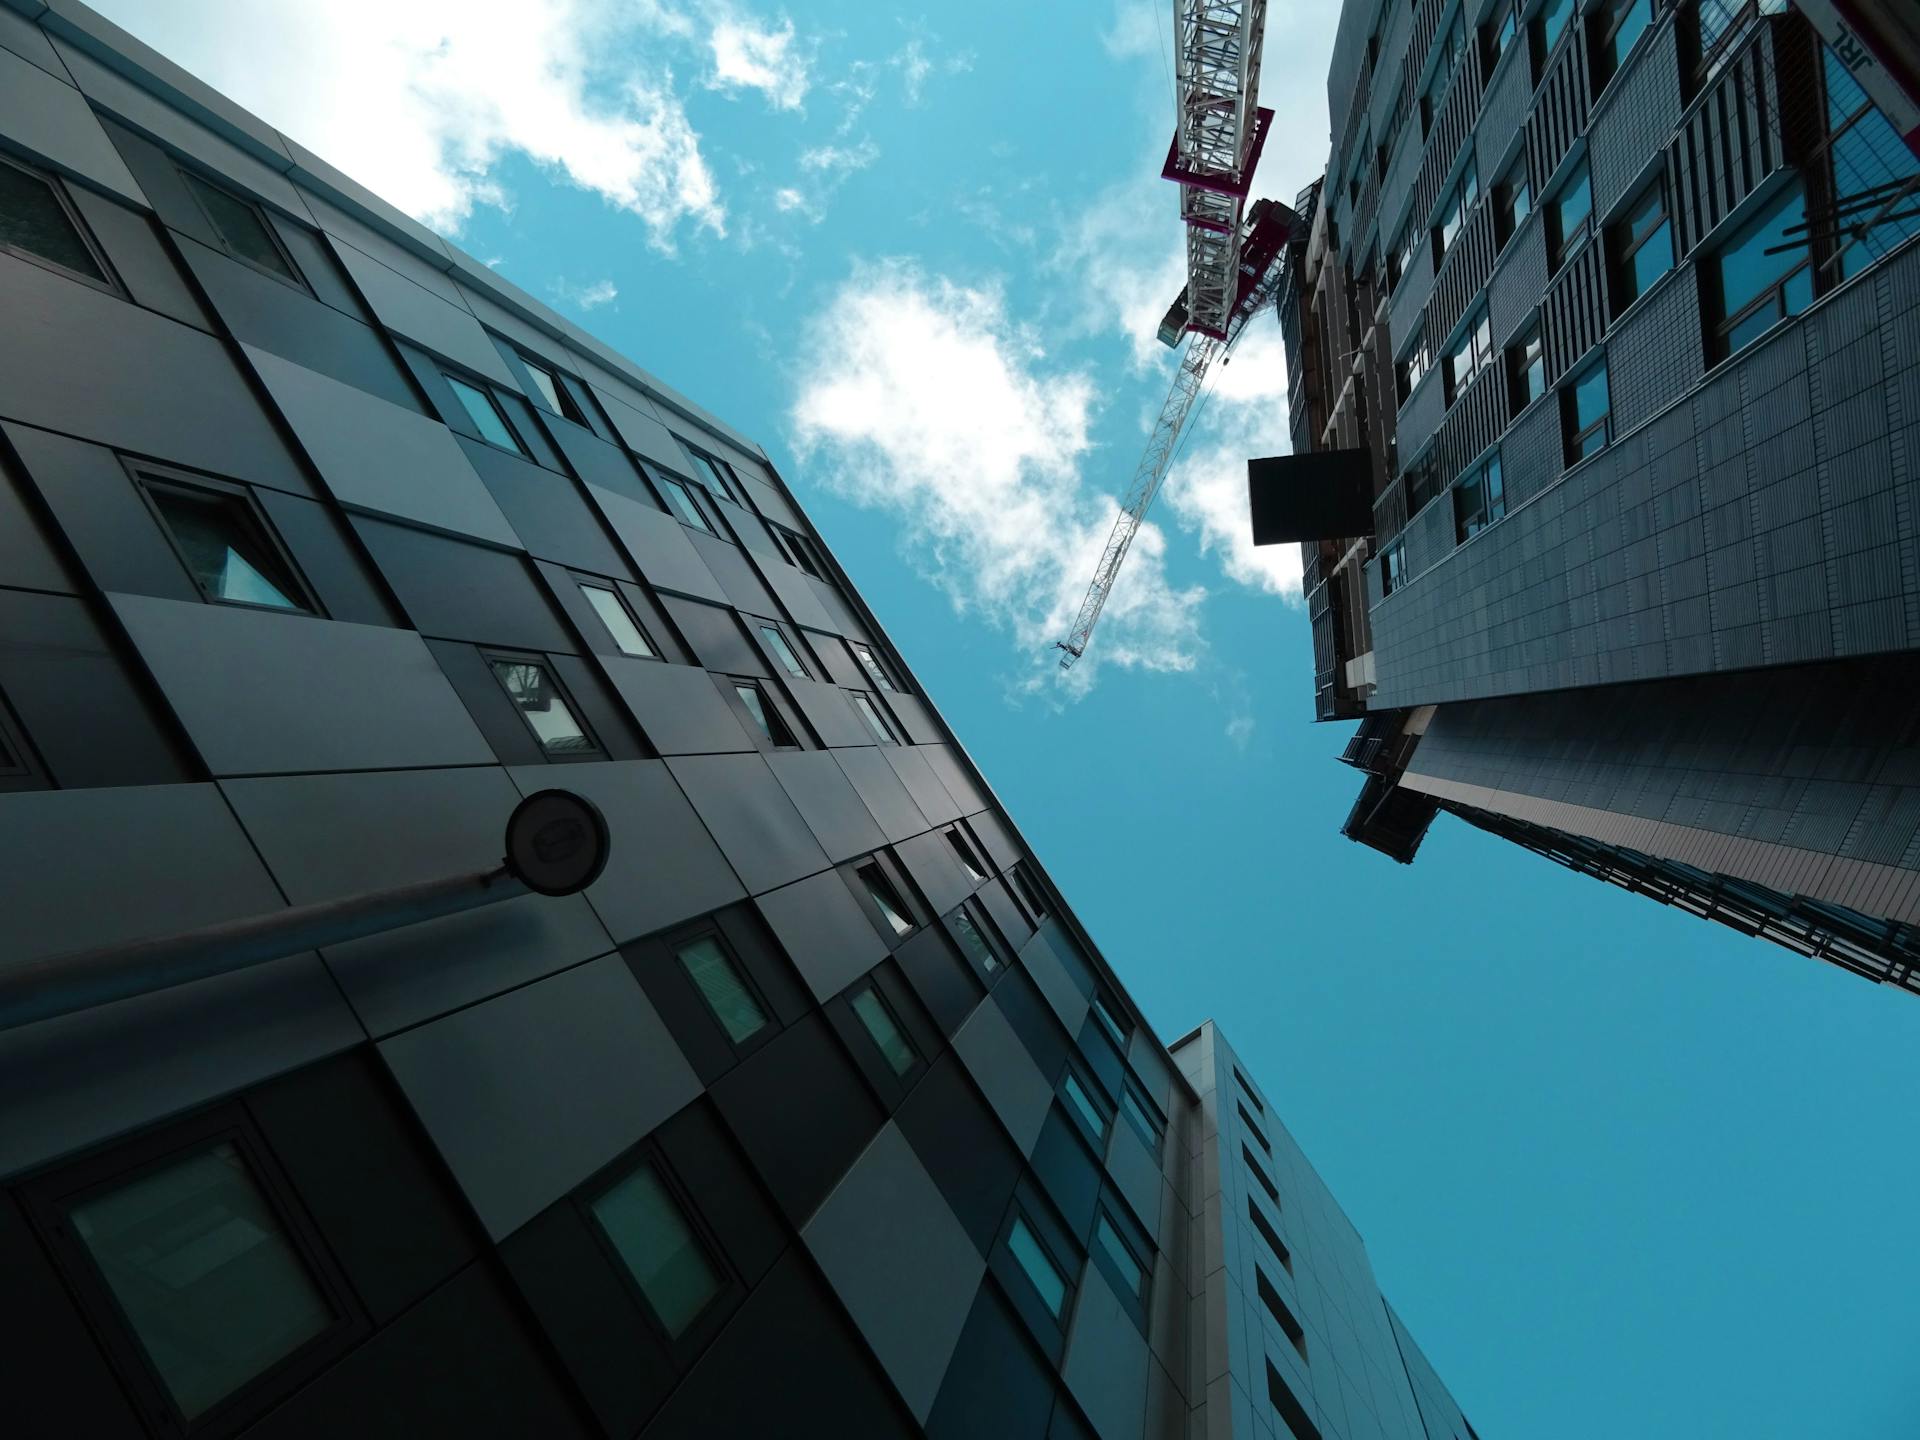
[619, 623]
[485, 415]
[1047, 1280]
[1084, 1106]
[204, 1272]
[241, 226]
[1115, 1249]
[965, 856]
[975, 943]
[872, 665]
[879, 1024]
[541, 705]
[1143, 1122]
[657, 1245]
[1109, 1022]
[783, 652]
[683, 504]
[33, 219]
[891, 909]
[1590, 396]
[224, 550]
[720, 983]
[769, 721]
[719, 478]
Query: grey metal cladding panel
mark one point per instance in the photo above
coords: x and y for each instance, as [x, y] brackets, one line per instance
[29, 555]
[140, 261]
[714, 635]
[844, 621]
[1001, 1066]
[728, 564]
[643, 433]
[597, 462]
[663, 867]
[1135, 1172]
[773, 504]
[528, 1094]
[954, 773]
[129, 102]
[375, 456]
[1634, 118]
[915, 718]
[677, 706]
[456, 591]
[407, 308]
[882, 792]
[264, 693]
[51, 122]
[794, 590]
[431, 823]
[398, 234]
[1055, 983]
[659, 545]
[88, 364]
[756, 826]
[900, 1262]
[830, 714]
[933, 798]
[825, 933]
[547, 511]
[1106, 1361]
[931, 861]
[828, 802]
[30, 42]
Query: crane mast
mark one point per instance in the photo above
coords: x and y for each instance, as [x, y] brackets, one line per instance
[1219, 130]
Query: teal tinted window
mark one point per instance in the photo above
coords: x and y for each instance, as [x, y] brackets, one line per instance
[543, 707]
[1131, 1272]
[485, 415]
[683, 504]
[975, 943]
[241, 226]
[657, 1244]
[1756, 288]
[205, 1274]
[1047, 1280]
[225, 549]
[1145, 1123]
[722, 986]
[1590, 396]
[879, 1023]
[1552, 21]
[1572, 204]
[1585, 409]
[33, 221]
[719, 476]
[1870, 164]
[1084, 1106]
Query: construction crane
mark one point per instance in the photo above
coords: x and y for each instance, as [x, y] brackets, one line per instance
[1233, 265]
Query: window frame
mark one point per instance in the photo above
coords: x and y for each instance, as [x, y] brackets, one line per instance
[1082, 1080]
[799, 551]
[51, 1198]
[1484, 481]
[20, 765]
[895, 898]
[1560, 244]
[1507, 216]
[592, 582]
[1607, 19]
[106, 281]
[707, 929]
[870, 985]
[456, 383]
[1476, 344]
[1573, 435]
[294, 278]
[236, 498]
[1623, 246]
[673, 484]
[1542, 48]
[1029, 890]
[1723, 323]
[701, 1329]
[869, 662]
[979, 870]
[770, 629]
[730, 487]
[1107, 1214]
[1393, 565]
[1497, 34]
[569, 407]
[1138, 1107]
[491, 655]
[982, 925]
[1018, 1218]
[1526, 356]
[867, 706]
[762, 734]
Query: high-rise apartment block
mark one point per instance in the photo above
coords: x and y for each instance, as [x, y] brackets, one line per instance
[1611, 311]
[817, 1113]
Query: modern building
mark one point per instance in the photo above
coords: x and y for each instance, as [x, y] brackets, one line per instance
[818, 1113]
[1611, 313]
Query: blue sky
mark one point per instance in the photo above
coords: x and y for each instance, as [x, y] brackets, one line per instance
[1622, 1172]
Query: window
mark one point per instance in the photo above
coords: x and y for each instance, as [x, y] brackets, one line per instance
[1266, 1181]
[1091, 1115]
[1617, 27]
[1567, 215]
[17, 771]
[1526, 370]
[242, 229]
[544, 708]
[1452, 48]
[1411, 368]
[1029, 891]
[1478, 499]
[621, 625]
[1270, 1235]
[1751, 289]
[1470, 354]
[484, 411]
[1642, 247]
[1121, 1263]
[1512, 201]
[1583, 413]
[783, 652]
[1048, 1281]
[650, 1233]
[891, 907]
[964, 854]
[1498, 34]
[1453, 217]
[974, 941]
[1548, 26]
[37, 223]
[754, 700]
[1400, 257]
[1288, 1407]
[720, 983]
[800, 550]
[1393, 567]
[719, 476]
[1717, 29]
[680, 500]
[1253, 1129]
[1143, 1115]
[1870, 166]
[203, 1270]
[223, 540]
[1277, 1308]
[1247, 1090]
[871, 664]
[553, 390]
[879, 1023]
[1103, 1011]
[881, 734]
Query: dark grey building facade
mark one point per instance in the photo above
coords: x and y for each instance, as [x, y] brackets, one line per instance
[818, 1113]
[1615, 308]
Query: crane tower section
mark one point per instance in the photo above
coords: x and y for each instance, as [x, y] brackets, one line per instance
[1217, 138]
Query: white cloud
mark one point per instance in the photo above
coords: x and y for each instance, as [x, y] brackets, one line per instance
[586, 297]
[840, 159]
[923, 398]
[751, 56]
[787, 198]
[419, 101]
[916, 65]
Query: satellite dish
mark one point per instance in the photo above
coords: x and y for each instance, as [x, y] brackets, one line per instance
[557, 842]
